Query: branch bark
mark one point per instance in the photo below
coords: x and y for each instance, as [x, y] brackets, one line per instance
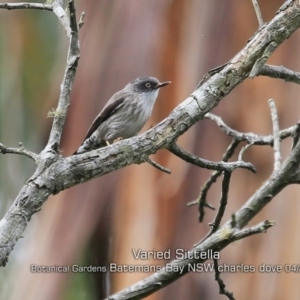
[66, 86]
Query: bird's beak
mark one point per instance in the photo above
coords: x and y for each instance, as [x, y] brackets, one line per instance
[161, 84]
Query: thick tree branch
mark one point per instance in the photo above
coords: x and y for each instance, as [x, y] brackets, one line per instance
[277, 181]
[295, 178]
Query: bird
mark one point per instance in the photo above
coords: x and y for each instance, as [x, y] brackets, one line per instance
[124, 115]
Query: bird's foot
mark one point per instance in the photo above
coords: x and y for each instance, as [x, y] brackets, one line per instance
[118, 140]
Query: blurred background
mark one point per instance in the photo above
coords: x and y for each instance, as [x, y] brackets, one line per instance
[100, 222]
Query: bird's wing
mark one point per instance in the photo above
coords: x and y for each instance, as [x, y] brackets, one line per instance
[109, 109]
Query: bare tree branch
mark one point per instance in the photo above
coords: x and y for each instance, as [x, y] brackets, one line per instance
[18, 217]
[72, 62]
[25, 5]
[276, 146]
[21, 151]
[277, 181]
[203, 163]
[258, 13]
[223, 203]
[296, 135]
[259, 228]
[280, 72]
[61, 14]
[202, 198]
[295, 178]
[249, 137]
[81, 20]
[155, 164]
[243, 150]
[220, 281]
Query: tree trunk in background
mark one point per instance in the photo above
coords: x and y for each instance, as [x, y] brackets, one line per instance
[100, 222]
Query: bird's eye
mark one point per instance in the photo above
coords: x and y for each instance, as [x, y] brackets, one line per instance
[148, 85]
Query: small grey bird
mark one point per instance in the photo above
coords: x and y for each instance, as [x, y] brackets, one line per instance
[124, 115]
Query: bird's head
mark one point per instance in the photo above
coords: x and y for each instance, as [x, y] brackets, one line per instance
[146, 84]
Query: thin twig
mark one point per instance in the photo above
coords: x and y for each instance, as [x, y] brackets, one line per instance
[81, 20]
[243, 150]
[64, 98]
[234, 233]
[21, 151]
[296, 135]
[156, 165]
[233, 221]
[24, 5]
[280, 72]
[203, 163]
[276, 146]
[220, 281]
[202, 198]
[230, 150]
[259, 228]
[258, 13]
[223, 203]
[249, 137]
[62, 16]
[213, 177]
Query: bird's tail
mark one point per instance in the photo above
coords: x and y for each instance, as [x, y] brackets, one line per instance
[88, 145]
